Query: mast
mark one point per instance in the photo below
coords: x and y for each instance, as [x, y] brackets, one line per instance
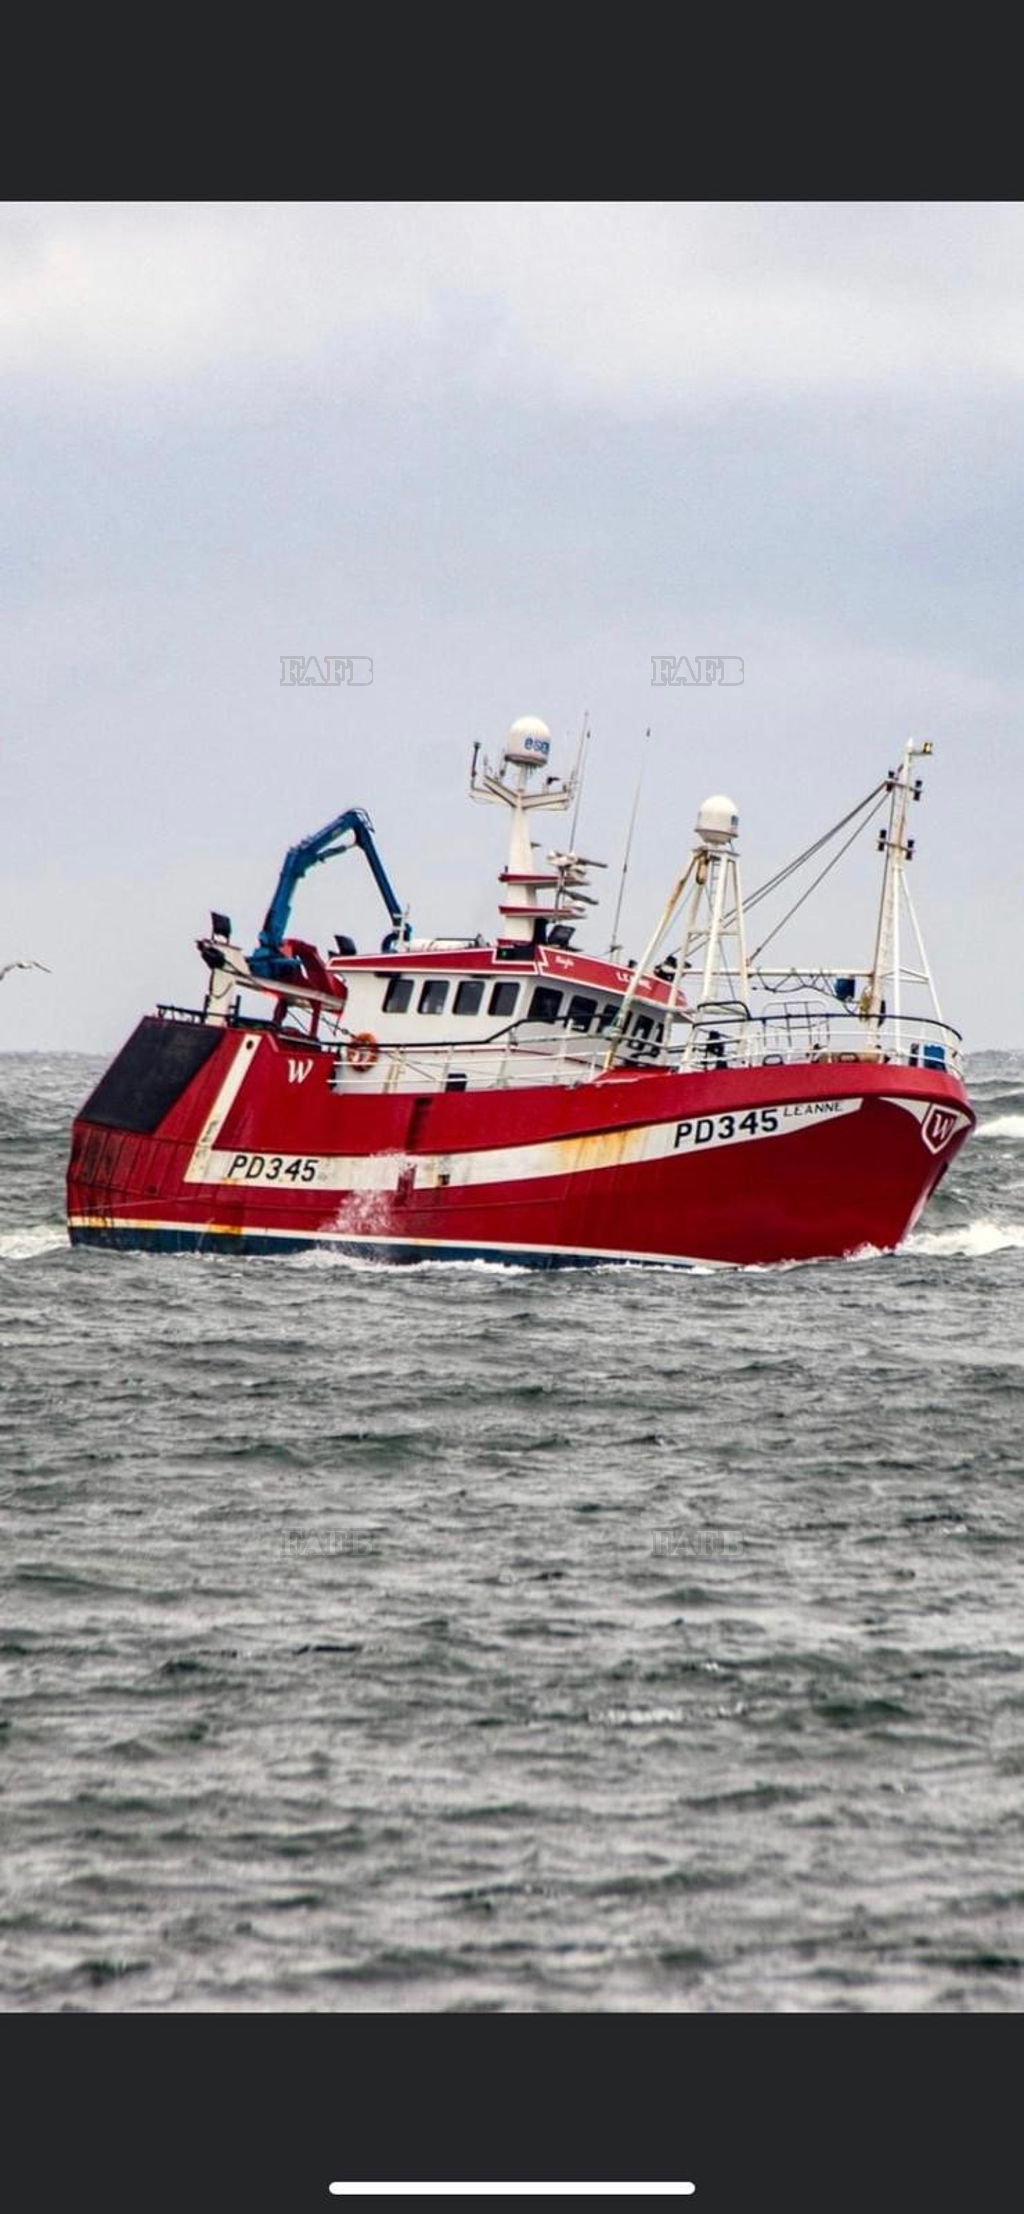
[715, 911]
[718, 892]
[898, 850]
[532, 897]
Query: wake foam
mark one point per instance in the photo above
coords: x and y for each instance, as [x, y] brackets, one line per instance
[365, 1264]
[1002, 1126]
[27, 1244]
[971, 1242]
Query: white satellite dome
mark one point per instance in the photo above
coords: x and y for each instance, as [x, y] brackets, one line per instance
[528, 741]
[718, 820]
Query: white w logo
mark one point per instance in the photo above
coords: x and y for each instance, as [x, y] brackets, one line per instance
[938, 1127]
[298, 1071]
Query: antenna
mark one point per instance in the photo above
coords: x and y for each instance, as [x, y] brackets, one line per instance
[614, 946]
[578, 775]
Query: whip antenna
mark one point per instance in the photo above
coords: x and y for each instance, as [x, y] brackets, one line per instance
[578, 775]
[614, 947]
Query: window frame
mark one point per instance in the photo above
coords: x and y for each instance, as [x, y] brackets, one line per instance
[551, 992]
[395, 984]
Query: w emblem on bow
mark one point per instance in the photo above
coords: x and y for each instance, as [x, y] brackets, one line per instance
[938, 1127]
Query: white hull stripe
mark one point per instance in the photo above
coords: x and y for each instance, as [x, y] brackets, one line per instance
[198, 1170]
[554, 1157]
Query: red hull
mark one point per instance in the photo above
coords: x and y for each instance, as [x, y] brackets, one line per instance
[254, 1151]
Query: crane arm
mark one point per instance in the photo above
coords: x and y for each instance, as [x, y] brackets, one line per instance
[353, 828]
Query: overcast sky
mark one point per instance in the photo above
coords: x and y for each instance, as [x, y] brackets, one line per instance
[509, 453]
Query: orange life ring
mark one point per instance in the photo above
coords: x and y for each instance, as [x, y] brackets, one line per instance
[362, 1051]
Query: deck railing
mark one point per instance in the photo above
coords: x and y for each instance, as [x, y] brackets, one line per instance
[710, 1038]
[720, 1036]
[727, 1036]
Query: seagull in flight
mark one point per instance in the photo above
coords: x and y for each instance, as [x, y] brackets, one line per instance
[24, 965]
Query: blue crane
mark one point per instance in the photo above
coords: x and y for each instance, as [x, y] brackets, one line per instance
[269, 958]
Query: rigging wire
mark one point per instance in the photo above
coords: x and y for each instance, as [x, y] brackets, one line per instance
[774, 882]
[819, 879]
[810, 851]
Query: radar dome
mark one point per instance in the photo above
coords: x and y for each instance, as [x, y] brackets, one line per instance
[528, 741]
[718, 820]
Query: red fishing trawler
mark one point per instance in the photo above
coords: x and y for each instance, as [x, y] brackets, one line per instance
[518, 1099]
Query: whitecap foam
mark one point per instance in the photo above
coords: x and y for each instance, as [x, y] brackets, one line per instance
[643, 1718]
[971, 1242]
[1001, 1126]
[382, 1262]
[26, 1244]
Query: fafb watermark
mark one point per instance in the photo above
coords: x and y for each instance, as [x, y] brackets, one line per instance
[298, 1544]
[327, 668]
[703, 668]
[685, 1541]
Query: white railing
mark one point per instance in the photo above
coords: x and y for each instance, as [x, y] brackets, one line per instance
[722, 1036]
[496, 1064]
[707, 1039]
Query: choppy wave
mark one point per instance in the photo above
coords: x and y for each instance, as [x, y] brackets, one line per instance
[28, 1243]
[461, 1638]
[969, 1241]
[645, 1718]
[372, 1264]
[1002, 1126]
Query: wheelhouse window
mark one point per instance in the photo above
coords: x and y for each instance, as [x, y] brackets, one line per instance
[608, 1014]
[398, 995]
[503, 999]
[544, 1004]
[468, 996]
[433, 995]
[642, 1027]
[581, 1012]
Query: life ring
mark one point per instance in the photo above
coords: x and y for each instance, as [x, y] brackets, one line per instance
[362, 1051]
